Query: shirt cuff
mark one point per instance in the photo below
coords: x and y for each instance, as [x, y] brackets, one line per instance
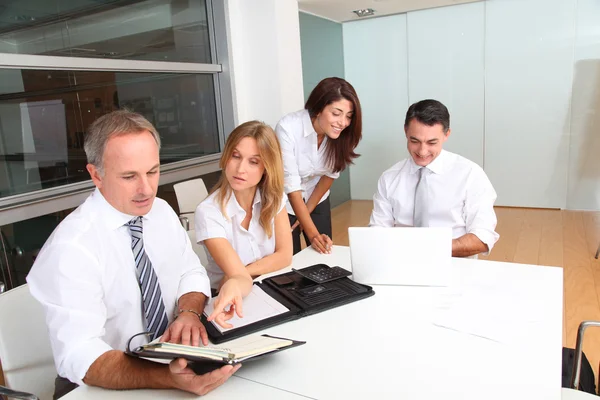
[202, 236]
[487, 237]
[292, 184]
[195, 282]
[83, 356]
[333, 175]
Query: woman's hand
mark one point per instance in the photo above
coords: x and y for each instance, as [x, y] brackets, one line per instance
[322, 243]
[228, 303]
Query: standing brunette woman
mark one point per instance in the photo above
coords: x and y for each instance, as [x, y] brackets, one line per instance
[318, 143]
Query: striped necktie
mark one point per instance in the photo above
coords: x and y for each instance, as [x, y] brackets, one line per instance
[421, 210]
[153, 305]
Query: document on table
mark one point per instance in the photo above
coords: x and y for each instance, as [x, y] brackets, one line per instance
[258, 306]
[499, 314]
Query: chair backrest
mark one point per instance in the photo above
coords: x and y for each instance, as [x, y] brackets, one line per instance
[189, 194]
[198, 249]
[25, 350]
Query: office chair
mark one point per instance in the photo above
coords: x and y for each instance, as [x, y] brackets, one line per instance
[25, 350]
[198, 249]
[572, 393]
[189, 194]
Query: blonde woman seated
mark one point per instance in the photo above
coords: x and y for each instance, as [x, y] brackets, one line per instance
[243, 224]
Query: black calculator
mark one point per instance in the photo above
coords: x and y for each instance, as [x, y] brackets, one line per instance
[321, 273]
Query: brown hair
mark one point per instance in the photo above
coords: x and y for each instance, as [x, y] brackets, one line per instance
[340, 152]
[271, 183]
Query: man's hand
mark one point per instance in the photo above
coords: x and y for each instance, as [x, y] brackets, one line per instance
[322, 243]
[185, 379]
[187, 329]
[230, 296]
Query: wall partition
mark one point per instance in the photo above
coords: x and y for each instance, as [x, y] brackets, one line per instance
[521, 80]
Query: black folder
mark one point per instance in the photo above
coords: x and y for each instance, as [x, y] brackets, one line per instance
[301, 296]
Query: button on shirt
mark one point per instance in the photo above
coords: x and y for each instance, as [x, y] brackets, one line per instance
[85, 279]
[303, 163]
[251, 245]
[460, 197]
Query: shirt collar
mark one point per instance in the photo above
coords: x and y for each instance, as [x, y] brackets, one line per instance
[437, 166]
[307, 124]
[112, 217]
[234, 208]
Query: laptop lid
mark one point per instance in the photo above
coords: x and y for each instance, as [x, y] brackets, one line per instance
[401, 256]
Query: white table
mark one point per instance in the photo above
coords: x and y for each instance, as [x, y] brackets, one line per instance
[234, 388]
[387, 347]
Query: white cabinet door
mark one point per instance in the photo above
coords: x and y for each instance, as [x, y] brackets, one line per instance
[529, 69]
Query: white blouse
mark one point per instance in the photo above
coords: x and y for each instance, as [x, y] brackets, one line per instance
[303, 163]
[251, 245]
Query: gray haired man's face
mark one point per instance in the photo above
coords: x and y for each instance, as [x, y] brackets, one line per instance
[131, 169]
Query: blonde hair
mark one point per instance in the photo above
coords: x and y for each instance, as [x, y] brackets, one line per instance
[271, 183]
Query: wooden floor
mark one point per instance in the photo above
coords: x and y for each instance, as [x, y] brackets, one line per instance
[567, 239]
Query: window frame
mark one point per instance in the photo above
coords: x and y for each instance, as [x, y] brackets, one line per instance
[40, 202]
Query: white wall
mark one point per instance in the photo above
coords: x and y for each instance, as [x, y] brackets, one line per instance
[584, 158]
[375, 64]
[445, 62]
[521, 79]
[527, 100]
[266, 62]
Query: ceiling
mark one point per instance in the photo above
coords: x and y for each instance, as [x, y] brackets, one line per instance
[341, 10]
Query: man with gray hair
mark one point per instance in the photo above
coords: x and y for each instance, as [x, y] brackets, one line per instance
[121, 264]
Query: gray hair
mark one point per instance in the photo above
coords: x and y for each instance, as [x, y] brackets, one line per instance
[113, 124]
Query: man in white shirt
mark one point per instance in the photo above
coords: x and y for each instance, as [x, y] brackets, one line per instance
[437, 188]
[121, 264]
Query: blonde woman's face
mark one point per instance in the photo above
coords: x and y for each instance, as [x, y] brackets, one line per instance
[245, 168]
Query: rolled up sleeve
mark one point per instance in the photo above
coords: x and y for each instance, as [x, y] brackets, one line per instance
[209, 223]
[479, 209]
[193, 274]
[333, 175]
[383, 214]
[291, 174]
[67, 282]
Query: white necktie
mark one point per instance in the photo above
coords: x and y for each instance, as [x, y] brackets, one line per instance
[421, 211]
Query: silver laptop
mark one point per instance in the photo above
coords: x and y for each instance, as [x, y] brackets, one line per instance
[401, 256]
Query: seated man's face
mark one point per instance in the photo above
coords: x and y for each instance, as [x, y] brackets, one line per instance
[131, 172]
[424, 142]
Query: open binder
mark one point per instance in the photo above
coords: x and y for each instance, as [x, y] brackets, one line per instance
[299, 295]
[208, 358]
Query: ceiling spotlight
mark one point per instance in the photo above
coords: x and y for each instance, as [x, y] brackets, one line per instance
[364, 12]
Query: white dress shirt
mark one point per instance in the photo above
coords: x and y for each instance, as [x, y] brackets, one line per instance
[303, 163]
[85, 279]
[251, 245]
[461, 197]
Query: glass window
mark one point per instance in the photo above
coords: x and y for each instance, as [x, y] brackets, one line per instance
[158, 30]
[20, 242]
[44, 114]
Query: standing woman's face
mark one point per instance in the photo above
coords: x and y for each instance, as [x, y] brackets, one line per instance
[334, 118]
